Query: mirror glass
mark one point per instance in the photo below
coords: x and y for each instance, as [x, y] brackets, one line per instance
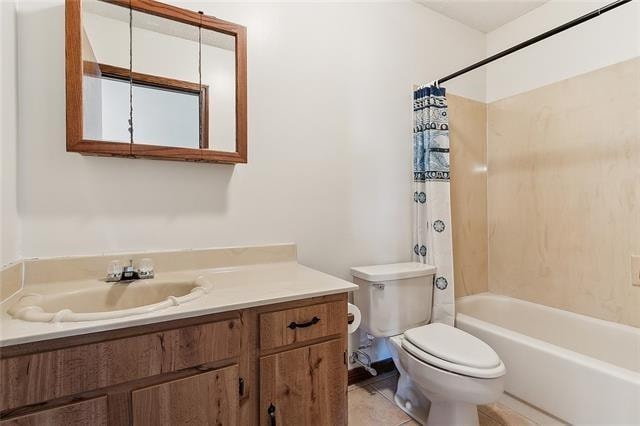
[166, 96]
[105, 41]
[174, 104]
[219, 74]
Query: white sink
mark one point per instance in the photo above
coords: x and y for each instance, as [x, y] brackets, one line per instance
[108, 301]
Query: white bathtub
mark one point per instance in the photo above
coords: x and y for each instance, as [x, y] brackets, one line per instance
[577, 368]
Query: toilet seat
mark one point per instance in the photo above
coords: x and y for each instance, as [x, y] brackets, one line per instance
[454, 350]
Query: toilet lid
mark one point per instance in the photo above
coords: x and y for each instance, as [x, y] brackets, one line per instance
[453, 346]
[441, 364]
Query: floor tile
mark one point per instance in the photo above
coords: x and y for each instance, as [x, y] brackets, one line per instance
[387, 387]
[528, 411]
[369, 408]
[371, 403]
[504, 416]
[486, 420]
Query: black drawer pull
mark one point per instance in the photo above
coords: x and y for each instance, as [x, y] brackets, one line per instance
[271, 411]
[295, 325]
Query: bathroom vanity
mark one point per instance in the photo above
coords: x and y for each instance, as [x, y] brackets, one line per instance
[254, 360]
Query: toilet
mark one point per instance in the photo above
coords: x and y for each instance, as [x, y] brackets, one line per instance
[444, 372]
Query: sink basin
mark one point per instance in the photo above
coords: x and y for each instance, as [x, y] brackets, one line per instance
[108, 302]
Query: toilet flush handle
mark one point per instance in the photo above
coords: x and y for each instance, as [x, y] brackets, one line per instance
[379, 286]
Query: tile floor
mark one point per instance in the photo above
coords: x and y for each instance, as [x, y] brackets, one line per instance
[371, 404]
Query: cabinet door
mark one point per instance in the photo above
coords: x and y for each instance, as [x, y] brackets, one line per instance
[305, 386]
[90, 412]
[209, 398]
[42, 376]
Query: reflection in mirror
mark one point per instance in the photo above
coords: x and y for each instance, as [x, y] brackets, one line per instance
[219, 73]
[105, 40]
[168, 105]
[165, 90]
[166, 111]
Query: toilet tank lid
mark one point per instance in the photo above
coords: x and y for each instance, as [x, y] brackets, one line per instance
[393, 271]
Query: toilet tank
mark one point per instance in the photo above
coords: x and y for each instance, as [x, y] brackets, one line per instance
[393, 298]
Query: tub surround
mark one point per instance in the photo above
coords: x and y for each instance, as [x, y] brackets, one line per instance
[563, 194]
[242, 277]
[468, 125]
[534, 174]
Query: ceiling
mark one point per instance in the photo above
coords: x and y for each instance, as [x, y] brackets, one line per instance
[483, 15]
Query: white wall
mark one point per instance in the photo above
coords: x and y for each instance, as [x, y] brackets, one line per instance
[329, 140]
[9, 220]
[608, 39]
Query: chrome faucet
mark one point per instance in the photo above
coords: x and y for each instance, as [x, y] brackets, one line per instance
[116, 273]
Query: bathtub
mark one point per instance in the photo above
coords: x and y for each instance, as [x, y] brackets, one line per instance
[577, 368]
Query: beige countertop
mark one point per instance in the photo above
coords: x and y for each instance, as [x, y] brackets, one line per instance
[232, 288]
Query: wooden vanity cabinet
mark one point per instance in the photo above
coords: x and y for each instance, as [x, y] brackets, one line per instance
[304, 386]
[220, 369]
[89, 412]
[209, 398]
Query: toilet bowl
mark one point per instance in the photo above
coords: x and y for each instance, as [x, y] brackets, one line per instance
[444, 372]
[445, 389]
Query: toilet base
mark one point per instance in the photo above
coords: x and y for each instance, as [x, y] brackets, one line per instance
[409, 398]
[417, 413]
[440, 413]
[444, 413]
[437, 397]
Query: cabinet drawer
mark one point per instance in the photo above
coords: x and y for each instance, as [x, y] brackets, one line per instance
[90, 412]
[295, 325]
[39, 377]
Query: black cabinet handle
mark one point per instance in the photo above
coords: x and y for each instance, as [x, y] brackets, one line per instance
[295, 325]
[271, 411]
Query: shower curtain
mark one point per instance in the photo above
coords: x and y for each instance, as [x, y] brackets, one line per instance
[432, 207]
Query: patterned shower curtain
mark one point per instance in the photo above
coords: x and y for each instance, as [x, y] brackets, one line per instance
[432, 207]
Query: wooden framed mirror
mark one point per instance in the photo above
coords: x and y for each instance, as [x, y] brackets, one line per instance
[150, 80]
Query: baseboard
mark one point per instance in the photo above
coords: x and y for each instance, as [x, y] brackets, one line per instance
[359, 374]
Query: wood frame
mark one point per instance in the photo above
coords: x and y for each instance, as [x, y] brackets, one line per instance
[75, 69]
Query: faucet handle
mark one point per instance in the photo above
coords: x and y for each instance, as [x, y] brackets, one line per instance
[114, 271]
[145, 269]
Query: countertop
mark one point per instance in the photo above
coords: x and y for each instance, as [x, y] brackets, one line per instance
[232, 288]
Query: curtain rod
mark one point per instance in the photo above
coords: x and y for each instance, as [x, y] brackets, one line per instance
[554, 31]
